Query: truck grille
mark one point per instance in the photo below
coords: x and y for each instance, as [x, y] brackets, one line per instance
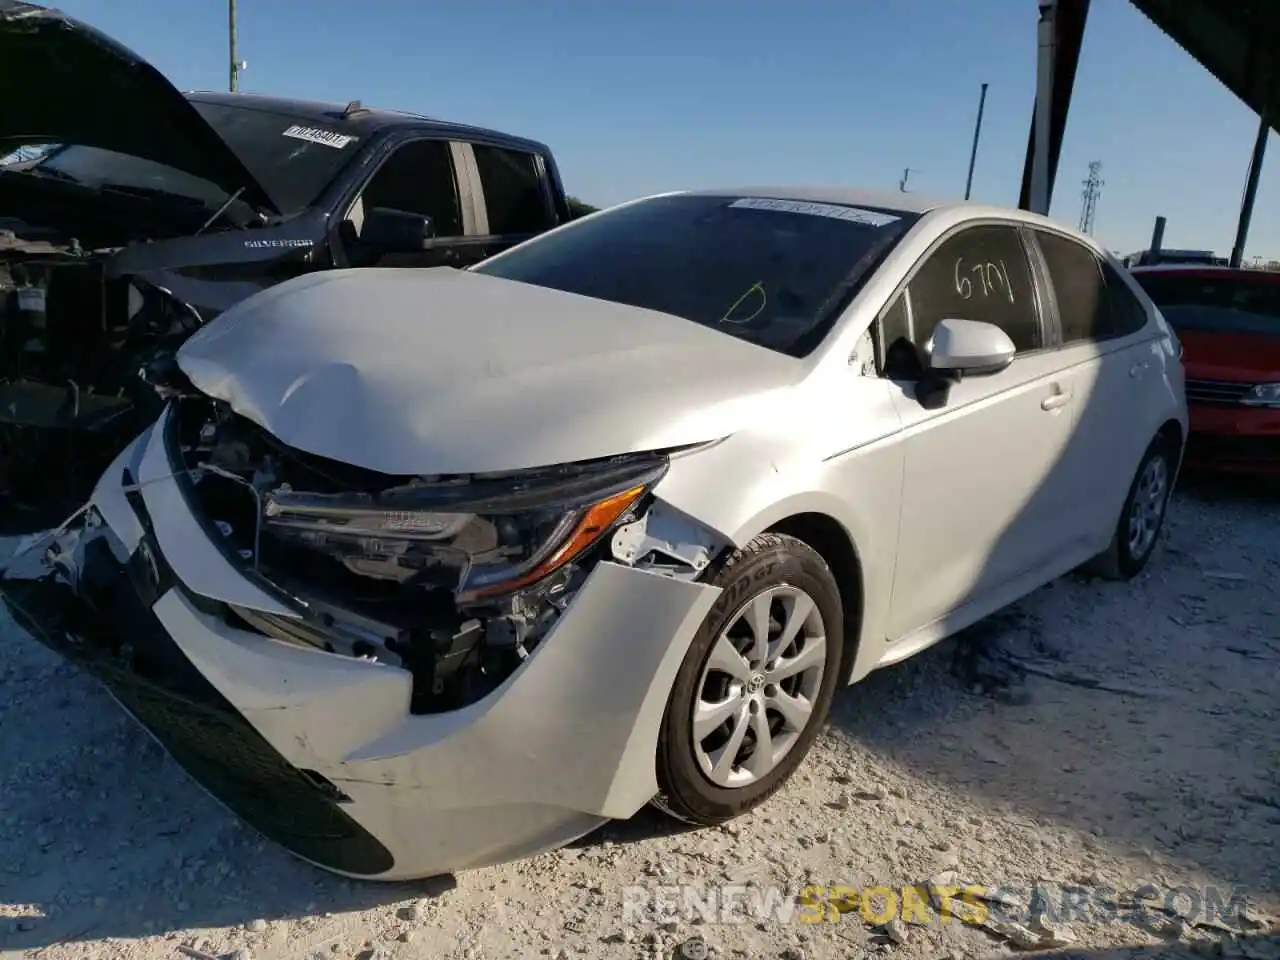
[1216, 391]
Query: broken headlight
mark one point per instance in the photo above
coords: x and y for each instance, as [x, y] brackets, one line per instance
[484, 537]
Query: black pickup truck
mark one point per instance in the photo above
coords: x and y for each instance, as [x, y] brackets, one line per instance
[131, 214]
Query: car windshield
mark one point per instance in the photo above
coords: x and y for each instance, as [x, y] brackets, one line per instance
[773, 272]
[293, 159]
[1230, 304]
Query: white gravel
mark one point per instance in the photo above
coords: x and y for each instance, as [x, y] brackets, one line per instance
[1167, 774]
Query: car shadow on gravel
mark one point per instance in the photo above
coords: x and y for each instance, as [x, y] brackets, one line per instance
[1229, 488]
[1138, 717]
[1251, 947]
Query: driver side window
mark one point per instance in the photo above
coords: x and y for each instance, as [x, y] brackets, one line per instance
[981, 273]
[417, 178]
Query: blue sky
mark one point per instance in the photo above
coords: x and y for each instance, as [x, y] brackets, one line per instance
[639, 96]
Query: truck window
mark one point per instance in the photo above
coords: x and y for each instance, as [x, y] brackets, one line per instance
[513, 192]
[417, 178]
[1231, 303]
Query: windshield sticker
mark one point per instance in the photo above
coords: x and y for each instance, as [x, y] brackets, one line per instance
[326, 138]
[832, 210]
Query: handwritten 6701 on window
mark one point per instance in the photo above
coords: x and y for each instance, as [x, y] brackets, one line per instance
[992, 279]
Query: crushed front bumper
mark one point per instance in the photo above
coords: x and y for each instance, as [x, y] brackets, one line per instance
[319, 751]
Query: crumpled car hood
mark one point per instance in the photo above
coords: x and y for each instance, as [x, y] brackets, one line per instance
[411, 372]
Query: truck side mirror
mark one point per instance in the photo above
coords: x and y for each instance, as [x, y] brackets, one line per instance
[396, 231]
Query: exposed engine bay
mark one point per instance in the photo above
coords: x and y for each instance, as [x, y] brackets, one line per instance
[456, 579]
[72, 343]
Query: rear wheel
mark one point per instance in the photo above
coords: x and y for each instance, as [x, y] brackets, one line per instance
[1142, 518]
[755, 686]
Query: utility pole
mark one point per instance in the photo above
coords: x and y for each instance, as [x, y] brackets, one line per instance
[977, 132]
[1092, 190]
[236, 65]
[902, 184]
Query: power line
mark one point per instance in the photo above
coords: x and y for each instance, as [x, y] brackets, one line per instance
[1092, 190]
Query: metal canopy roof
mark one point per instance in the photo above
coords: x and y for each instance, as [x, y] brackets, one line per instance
[1238, 41]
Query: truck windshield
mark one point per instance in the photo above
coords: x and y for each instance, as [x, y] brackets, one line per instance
[773, 272]
[294, 158]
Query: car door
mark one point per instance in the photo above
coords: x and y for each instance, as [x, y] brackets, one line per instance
[980, 496]
[1106, 350]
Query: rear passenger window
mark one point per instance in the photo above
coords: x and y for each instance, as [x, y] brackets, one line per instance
[1125, 312]
[1077, 284]
[981, 274]
[513, 193]
[1094, 303]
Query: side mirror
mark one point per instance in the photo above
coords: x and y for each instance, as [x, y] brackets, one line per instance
[970, 347]
[396, 231]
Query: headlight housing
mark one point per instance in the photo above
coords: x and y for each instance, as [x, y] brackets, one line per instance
[1263, 395]
[489, 536]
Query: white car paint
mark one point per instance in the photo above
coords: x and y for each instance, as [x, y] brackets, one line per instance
[952, 512]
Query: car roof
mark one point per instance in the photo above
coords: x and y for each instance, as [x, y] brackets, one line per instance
[897, 200]
[884, 199]
[363, 120]
[1209, 272]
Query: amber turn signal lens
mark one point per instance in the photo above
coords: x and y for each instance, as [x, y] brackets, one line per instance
[596, 520]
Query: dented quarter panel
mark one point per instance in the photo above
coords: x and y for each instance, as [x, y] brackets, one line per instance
[822, 459]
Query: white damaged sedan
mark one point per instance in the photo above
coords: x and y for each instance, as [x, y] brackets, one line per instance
[424, 570]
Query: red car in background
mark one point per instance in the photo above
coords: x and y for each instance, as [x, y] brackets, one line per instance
[1229, 324]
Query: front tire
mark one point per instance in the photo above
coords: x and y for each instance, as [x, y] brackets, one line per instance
[1142, 518]
[756, 684]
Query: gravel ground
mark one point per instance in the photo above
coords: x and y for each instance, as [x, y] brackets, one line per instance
[1097, 734]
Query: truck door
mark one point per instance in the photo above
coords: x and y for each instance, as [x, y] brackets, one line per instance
[420, 177]
[509, 194]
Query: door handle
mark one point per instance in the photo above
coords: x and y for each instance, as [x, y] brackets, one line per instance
[1055, 402]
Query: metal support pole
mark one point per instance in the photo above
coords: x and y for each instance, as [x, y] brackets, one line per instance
[1250, 189]
[1157, 241]
[231, 33]
[977, 132]
[1046, 52]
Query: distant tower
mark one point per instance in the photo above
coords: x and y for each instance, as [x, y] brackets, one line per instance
[1092, 190]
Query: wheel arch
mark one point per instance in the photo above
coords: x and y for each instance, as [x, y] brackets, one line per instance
[836, 546]
[1171, 430]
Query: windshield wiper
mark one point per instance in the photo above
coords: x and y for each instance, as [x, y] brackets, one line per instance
[220, 211]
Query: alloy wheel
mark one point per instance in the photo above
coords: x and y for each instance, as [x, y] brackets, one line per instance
[1149, 502]
[758, 689]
